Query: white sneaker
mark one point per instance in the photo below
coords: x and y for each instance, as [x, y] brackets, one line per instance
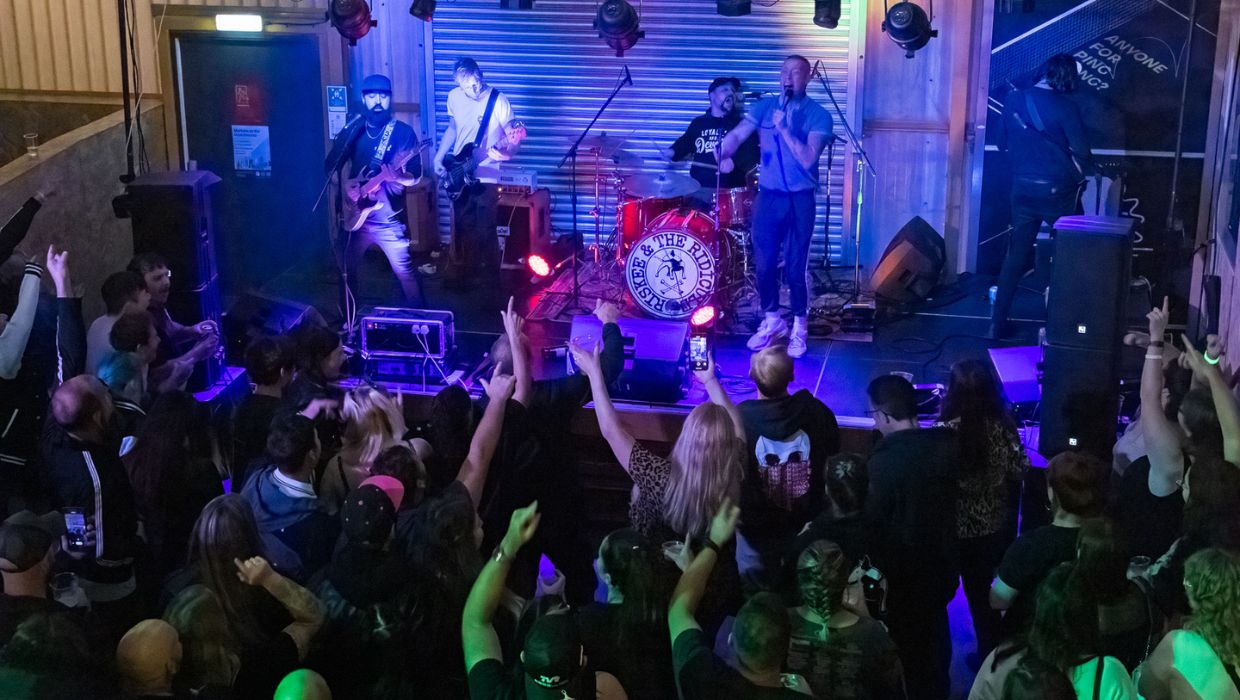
[767, 332]
[798, 341]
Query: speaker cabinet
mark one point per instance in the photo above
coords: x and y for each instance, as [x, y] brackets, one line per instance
[523, 226]
[258, 315]
[1088, 300]
[1080, 400]
[171, 216]
[911, 265]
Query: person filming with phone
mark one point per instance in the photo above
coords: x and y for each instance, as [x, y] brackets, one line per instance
[82, 473]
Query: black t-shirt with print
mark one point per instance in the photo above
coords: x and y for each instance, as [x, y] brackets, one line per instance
[700, 140]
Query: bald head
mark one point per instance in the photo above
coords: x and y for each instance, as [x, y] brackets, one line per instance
[303, 684]
[148, 657]
[80, 404]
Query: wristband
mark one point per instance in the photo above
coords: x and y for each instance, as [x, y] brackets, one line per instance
[708, 544]
[1157, 343]
[1205, 355]
[1153, 357]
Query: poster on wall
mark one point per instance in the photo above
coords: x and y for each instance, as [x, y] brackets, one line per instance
[1133, 61]
[251, 150]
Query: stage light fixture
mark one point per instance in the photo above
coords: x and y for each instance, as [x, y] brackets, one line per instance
[909, 26]
[733, 8]
[238, 23]
[827, 13]
[423, 9]
[617, 24]
[539, 265]
[704, 316]
[351, 18]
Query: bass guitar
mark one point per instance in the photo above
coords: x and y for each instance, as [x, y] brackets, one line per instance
[360, 193]
[462, 165]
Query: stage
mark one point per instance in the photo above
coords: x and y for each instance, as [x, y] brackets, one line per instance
[923, 340]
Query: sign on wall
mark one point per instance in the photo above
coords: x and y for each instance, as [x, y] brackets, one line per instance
[1133, 59]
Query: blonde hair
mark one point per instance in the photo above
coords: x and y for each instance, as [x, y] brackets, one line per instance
[373, 421]
[706, 467]
[1212, 582]
[771, 369]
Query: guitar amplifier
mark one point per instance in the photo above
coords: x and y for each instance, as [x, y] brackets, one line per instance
[397, 332]
[523, 226]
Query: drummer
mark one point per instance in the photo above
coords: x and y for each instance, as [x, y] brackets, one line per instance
[701, 141]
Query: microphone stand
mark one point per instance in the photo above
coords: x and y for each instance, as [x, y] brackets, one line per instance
[863, 161]
[335, 163]
[572, 154]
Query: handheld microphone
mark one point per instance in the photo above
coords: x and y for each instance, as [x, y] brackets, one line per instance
[787, 96]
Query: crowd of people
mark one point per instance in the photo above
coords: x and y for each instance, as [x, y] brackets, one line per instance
[319, 545]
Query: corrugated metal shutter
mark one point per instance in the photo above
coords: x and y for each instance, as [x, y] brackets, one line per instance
[557, 72]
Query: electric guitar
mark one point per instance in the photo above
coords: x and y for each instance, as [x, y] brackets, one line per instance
[462, 165]
[360, 192]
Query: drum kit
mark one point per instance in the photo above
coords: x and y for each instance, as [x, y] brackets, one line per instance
[680, 246]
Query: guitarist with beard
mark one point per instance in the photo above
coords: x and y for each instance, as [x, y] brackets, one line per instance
[482, 132]
[382, 153]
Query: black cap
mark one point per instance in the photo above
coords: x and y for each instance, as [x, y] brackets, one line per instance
[720, 82]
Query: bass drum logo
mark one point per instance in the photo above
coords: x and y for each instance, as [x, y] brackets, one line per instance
[671, 273]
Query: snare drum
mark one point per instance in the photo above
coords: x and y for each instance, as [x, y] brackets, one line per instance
[735, 206]
[635, 214]
[675, 267]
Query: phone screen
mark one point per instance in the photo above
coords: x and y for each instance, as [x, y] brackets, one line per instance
[75, 523]
[697, 352]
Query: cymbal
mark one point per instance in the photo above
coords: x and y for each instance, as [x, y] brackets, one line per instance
[600, 142]
[661, 186]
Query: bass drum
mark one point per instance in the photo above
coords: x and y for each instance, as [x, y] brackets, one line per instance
[675, 267]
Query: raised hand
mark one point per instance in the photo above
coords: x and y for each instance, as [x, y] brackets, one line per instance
[500, 387]
[254, 571]
[587, 360]
[58, 269]
[521, 528]
[513, 323]
[723, 526]
[706, 375]
[606, 311]
[1158, 319]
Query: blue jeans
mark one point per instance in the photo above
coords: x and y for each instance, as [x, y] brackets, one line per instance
[783, 220]
[392, 239]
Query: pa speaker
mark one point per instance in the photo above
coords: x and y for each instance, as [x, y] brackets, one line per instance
[523, 226]
[257, 315]
[911, 264]
[1080, 400]
[1087, 307]
[654, 356]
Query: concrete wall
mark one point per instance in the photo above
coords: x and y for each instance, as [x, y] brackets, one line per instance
[47, 119]
[83, 167]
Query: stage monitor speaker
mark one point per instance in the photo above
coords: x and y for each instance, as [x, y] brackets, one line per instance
[654, 356]
[1087, 307]
[911, 264]
[523, 225]
[257, 316]
[1080, 400]
[171, 216]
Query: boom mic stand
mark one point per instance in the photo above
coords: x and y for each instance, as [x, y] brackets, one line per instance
[863, 162]
[572, 154]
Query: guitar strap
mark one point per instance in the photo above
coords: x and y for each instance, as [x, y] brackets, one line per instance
[381, 148]
[1040, 127]
[486, 117]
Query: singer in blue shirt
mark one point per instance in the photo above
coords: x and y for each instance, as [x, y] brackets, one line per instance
[792, 131]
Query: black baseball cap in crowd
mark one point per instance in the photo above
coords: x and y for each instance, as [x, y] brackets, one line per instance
[552, 657]
[720, 82]
[367, 516]
[25, 539]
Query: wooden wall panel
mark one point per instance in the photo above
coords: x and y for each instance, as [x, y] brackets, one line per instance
[71, 46]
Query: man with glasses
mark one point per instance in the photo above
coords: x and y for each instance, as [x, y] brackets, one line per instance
[912, 508]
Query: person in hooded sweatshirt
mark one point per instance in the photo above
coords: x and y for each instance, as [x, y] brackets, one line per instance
[788, 440]
[297, 529]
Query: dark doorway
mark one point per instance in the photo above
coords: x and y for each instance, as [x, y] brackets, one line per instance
[251, 111]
